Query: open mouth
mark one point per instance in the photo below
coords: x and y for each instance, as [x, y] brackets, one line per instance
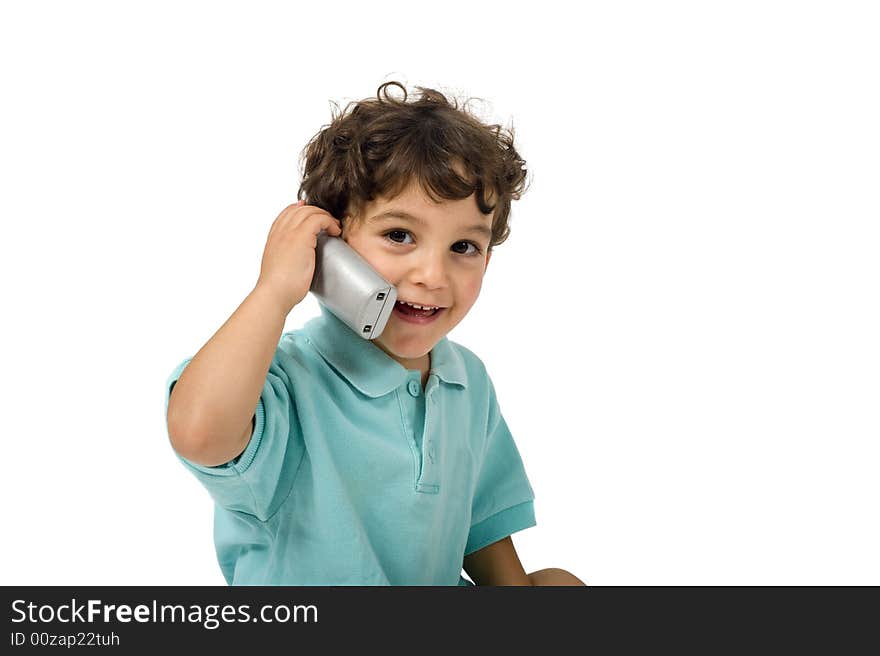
[414, 314]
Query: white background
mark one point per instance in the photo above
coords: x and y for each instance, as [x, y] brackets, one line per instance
[682, 328]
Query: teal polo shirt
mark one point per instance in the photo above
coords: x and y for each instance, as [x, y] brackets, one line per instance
[356, 475]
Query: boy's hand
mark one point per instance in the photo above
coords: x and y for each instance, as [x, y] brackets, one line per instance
[289, 257]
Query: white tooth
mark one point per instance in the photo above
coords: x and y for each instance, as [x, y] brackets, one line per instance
[421, 307]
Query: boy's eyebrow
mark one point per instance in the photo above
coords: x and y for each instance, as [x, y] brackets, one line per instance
[480, 228]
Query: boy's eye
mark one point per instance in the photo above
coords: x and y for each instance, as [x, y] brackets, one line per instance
[398, 237]
[465, 251]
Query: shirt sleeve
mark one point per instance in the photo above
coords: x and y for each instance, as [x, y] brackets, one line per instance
[503, 500]
[258, 481]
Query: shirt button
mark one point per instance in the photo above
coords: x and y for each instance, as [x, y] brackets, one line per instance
[414, 387]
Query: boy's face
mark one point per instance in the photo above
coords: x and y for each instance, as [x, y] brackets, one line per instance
[435, 257]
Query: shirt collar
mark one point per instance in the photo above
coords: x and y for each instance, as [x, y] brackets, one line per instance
[369, 368]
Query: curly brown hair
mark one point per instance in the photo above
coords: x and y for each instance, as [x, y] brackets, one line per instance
[377, 147]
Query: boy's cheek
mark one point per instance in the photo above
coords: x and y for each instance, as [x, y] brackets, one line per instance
[472, 289]
[384, 268]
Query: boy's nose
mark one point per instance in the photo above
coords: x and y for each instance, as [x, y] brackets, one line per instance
[430, 271]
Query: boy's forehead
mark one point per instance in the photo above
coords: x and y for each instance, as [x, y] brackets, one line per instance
[415, 201]
[414, 205]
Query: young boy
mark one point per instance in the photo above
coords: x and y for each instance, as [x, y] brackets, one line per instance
[334, 460]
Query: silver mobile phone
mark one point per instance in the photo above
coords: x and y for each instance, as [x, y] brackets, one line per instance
[351, 288]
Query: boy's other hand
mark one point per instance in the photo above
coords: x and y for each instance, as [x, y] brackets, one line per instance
[289, 257]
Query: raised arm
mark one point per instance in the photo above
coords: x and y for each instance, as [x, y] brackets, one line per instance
[211, 409]
[212, 405]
